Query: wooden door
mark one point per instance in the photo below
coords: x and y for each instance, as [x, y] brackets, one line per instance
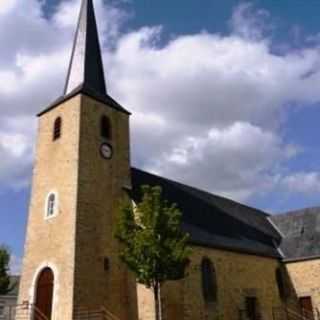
[306, 308]
[44, 294]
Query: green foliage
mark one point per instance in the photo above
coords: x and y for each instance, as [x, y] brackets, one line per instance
[154, 245]
[4, 269]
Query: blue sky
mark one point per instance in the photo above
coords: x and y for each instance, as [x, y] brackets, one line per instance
[225, 95]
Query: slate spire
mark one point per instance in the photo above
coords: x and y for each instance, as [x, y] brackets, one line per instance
[86, 67]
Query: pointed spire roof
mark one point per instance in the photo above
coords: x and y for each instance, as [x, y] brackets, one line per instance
[86, 67]
[85, 73]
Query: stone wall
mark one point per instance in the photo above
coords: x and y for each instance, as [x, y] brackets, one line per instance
[78, 243]
[305, 279]
[50, 242]
[238, 276]
[100, 191]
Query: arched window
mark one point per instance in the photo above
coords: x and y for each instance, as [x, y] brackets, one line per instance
[105, 128]
[51, 205]
[57, 128]
[281, 284]
[209, 281]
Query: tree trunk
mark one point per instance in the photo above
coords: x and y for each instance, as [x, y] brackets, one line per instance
[157, 303]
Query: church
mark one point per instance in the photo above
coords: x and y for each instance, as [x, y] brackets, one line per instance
[245, 263]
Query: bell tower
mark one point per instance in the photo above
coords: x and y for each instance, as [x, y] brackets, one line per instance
[81, 166]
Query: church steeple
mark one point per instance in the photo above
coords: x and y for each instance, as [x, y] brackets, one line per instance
[86, 67]
[85, 74]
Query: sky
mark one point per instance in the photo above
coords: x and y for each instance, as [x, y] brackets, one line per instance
[224, 95]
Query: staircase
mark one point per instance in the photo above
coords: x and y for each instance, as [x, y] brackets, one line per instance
[24, 311]
[28, 311]
[283, 313]
[289, 313]
[102, 314]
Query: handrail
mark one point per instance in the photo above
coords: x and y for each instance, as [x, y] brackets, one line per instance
[304, 315]
[26, 311]
[243, 314]
[310, 314]
[292, 313]
[39, 313]
[109, 314]
[87, 314]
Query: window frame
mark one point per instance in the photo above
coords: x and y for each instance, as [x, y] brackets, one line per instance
[55, 206]
[105, 127]
[209, 281]
[57, 129]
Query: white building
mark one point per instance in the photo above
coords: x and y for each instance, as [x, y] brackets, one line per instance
[8, 302]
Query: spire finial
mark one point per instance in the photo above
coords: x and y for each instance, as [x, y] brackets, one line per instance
[86, 67]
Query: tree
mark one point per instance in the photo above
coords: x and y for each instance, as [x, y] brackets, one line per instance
[154, 244]
[4, 269]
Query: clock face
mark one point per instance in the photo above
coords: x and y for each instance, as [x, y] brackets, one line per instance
[106, 151]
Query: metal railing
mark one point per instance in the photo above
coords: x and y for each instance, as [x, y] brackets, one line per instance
[243, 315]
[28, 311]
[25, 311]
[87, 314]
[283, 313]
[290, 313]
[109, 315]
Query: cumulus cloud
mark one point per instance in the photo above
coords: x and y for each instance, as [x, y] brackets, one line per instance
[212, 106]
[207, 109]
[246, 156]
[16, 151]
[302, 182]
[250, 22]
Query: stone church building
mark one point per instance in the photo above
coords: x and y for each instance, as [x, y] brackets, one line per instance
[245, 264]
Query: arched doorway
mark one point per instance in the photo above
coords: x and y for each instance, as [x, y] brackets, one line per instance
[44, 294]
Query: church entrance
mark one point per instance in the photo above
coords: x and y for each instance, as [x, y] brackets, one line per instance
[306, 308]
[44, 295]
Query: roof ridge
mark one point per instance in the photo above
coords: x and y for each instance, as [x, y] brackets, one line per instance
[106, 99]
[210, 220]
[258, 211]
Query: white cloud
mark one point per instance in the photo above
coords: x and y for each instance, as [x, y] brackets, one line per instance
[16, 151]
[211, 106]
[6, 6]
[250, 22]
[307, 183]
[234, 161]
[206, 107]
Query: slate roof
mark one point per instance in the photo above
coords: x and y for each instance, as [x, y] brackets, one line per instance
[301, 233]
[88, 91]
[214, 221]
[86, 65]
[85, 73]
